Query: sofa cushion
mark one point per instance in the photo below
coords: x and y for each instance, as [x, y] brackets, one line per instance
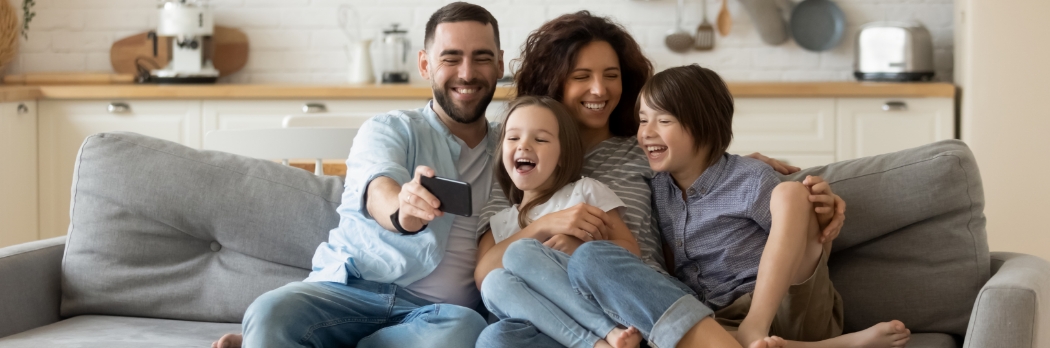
[161, 230]
[914, 246]
[116, 332]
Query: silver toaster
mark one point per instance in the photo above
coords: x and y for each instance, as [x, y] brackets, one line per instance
[893, 51]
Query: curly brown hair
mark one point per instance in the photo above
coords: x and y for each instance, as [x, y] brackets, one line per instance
[549, 54]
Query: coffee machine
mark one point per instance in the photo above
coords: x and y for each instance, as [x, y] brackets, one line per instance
[190, 26]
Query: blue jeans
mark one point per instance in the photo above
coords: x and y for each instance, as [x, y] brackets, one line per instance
[361, 313]
[659, 306]
[534, 285]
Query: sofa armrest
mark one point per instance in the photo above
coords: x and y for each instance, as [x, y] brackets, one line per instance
[30, 285]
[1013, 307]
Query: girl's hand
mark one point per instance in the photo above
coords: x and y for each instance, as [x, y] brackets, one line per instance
[830, 208]
[778, 166]
[583, 221]
[564, 243]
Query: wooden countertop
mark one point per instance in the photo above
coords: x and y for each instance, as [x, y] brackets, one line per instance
[253, 91]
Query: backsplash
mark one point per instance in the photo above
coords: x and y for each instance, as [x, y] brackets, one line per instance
[299, 41]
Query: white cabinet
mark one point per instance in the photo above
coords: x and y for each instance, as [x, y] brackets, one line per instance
[18, 173]
[253, 114]
[799, 131]
[869, 126]
[64, 125]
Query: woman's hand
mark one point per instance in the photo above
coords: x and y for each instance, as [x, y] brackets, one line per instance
[778, 166]
[583, 221]
[830, 208]
[564, 243]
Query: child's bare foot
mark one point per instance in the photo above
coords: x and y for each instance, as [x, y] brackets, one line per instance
[769, 342]
[891, 334]
[228, 341]
[624, 338]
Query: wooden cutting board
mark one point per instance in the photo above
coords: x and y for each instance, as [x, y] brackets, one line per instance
[231, 51]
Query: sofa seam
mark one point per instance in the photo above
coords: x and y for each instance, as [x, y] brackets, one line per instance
[117, 137]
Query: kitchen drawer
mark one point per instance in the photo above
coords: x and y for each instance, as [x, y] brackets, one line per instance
[873, 126]
[783, 125]
[63, 125]
[253, 114]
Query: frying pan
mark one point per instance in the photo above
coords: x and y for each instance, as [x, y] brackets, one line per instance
[817, 25]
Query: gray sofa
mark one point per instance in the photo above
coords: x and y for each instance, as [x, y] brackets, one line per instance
[168, 245]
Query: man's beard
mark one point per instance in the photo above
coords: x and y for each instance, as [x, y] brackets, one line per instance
[455, 112]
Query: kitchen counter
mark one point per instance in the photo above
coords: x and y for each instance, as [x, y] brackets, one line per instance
[254, 91]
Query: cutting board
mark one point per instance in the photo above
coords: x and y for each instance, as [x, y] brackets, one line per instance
[231, 51]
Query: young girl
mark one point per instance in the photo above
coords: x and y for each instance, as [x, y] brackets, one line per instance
[539, 171]
[752, 247]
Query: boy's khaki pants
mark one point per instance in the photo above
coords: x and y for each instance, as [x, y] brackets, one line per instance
[811, 311]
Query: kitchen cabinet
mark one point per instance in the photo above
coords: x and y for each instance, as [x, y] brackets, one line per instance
[872, 126]
[66, 123]
[253, 114]
[18, 174]
[799, 131]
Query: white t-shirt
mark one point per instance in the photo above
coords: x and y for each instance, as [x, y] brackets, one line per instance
[453, 279]
[586, 190]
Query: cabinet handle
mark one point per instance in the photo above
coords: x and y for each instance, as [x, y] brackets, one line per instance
[313, 108]
[895, 106]
[22, 109]
[119, 108]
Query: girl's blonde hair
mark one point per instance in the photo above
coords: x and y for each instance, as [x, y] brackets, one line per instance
[570, 160]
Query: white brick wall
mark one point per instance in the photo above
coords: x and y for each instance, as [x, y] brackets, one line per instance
[298, 41]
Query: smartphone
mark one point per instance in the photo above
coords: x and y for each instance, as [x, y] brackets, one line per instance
[454, 195]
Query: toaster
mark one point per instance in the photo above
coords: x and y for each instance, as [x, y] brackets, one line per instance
[893, 51]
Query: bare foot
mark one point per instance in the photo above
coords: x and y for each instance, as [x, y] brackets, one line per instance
[228, 341]
[891, 334]
[769, 342]
[624, 338]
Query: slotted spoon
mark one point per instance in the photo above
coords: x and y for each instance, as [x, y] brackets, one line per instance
[705, 33]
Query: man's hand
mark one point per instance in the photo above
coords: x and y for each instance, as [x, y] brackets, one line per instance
[417, 205]
[564, 243]
[583, 221]
[830, 208]
[778, 166]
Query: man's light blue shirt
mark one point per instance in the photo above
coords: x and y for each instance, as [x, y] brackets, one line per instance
[390, 145]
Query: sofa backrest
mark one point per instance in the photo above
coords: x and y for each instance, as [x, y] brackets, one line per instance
[914, 246]
[165, 231]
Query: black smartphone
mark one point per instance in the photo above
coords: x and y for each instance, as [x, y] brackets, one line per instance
[453, 194]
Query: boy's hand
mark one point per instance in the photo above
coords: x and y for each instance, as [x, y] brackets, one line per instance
[778, 166]
[829, 207]
[564, 243]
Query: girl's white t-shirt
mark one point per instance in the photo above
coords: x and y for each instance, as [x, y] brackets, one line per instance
[586, 190]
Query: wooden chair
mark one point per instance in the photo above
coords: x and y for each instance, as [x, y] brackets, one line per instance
[284, 143]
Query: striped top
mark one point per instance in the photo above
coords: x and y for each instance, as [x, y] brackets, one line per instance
[621, 165]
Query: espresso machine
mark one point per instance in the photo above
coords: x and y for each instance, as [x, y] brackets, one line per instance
[190, 26]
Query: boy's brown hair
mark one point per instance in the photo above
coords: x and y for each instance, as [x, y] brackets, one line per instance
[699, 99]
[570, 159]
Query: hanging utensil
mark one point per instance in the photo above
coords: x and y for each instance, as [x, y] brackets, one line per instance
[768, 19]
[705, 33]
[678, 40]
[725, 22]
[817, 25]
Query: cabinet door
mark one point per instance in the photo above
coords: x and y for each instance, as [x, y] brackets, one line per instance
[800, 131]
[65, 124]
[872, 126]
[254, 114]
[18, 173]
